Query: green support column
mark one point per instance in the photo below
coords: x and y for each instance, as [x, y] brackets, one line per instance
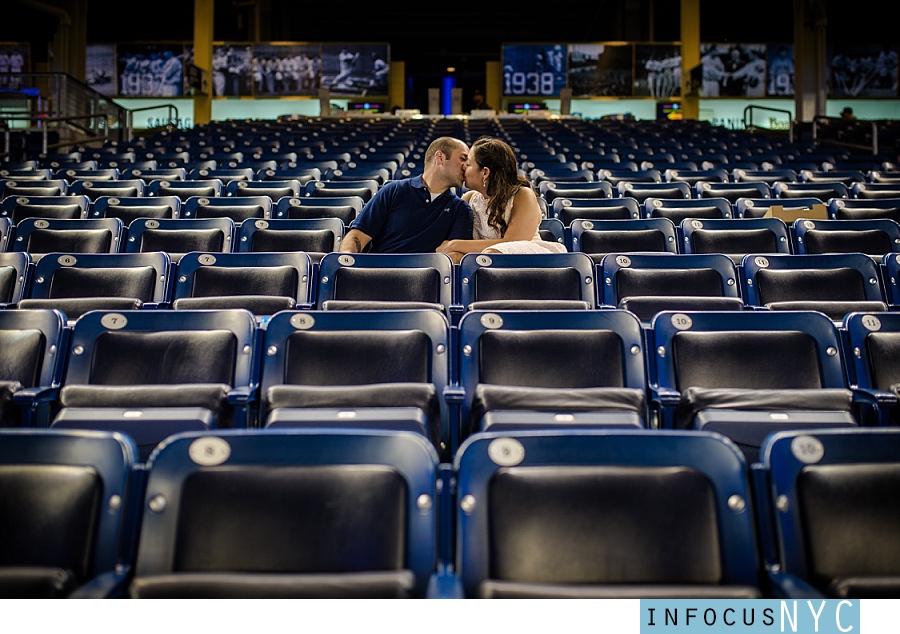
[690, 55]
[203, 46]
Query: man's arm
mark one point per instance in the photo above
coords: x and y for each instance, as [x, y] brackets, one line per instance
[354, 241]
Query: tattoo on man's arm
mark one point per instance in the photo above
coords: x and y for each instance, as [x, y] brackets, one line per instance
[357, 245]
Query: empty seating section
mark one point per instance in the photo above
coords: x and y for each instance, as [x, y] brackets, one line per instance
[201, 397]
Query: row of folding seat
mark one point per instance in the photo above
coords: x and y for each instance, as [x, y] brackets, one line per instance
[151, 373]
[570, 514]
[733, 236]
[184, 189]
[265, 282]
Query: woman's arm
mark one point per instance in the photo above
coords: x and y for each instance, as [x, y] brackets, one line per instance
[524, 220]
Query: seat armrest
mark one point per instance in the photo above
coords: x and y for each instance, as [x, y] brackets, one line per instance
[109, 585]
[444, 584]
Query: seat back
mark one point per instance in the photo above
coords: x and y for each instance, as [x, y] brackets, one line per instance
[677, 210]
[162, 348]
[129, 208]
[747, 349]
[65, 498]
[568, 210]
[312, 235]
[736, 237]
[833, 497]
[301, 503]
[864, 209]
[514, 277]
[17, 208]
[731, 191]
[541, 511]
[38, 236]
[874, 237]
[358, 348]
[15, 276]
[835, 283]
[641, 191]
[238, 208]
[629, 279]
[425, 278]
[597, 238]
[138, 278]
[121, 187]
[179, 236]
[241, 280]
[343, 207]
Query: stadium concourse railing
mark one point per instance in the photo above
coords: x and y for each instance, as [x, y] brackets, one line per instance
[61, 111]
[776, 123]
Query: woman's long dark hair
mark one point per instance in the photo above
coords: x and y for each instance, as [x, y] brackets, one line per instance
[504, 180]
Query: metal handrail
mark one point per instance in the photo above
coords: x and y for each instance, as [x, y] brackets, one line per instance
[169, 108]
[748, 123]
[45, 129]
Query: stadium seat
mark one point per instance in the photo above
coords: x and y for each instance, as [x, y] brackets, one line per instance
[153, 373]
[864, 209]
[77, 283]
[642, 191]
[731, 191]
[551, 369]
[69, 207]
[263, 283]
[832, 283]
[647, 283]
[749, 373]
[380, 281]
[65, 500]
[15, 275]
[595, 514]
[129, 208]
[512, 281]
[122, 187]
[32, 343]
[179, 236]
[872, 363]
[343, 207]
[875, 237]
[599, 237]
[736, 237]
[238, 208]
[567, 210]
[38, 236]
[289, 514]
[832, 494]
[678, 210]
[358, 369]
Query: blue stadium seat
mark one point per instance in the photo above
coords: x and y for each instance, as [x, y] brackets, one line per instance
[647, 283]
[238, 208]
[594, 514]
[263, 283]
[832, 283]
[832, 497]
[179, 236]
[65, 498]
[69, 207]
[380, 281]
[551, 369]
[875, 237]
[227, 525]
[77, 283]
[129, 208]
[358, 369]
[746, 374]
[153, 373]
[504, 281]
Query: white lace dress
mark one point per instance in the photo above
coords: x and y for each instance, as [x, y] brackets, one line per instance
[483, 231]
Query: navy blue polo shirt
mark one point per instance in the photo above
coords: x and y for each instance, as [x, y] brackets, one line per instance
[402, 218]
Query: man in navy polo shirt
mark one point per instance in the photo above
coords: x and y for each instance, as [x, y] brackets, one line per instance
[415, 215]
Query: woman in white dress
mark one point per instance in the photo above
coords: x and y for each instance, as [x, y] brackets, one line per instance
[505, 207]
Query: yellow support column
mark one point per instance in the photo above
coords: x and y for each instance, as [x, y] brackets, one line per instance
[493, 84]
[690, 55]
[398, 85]
[203, 47]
